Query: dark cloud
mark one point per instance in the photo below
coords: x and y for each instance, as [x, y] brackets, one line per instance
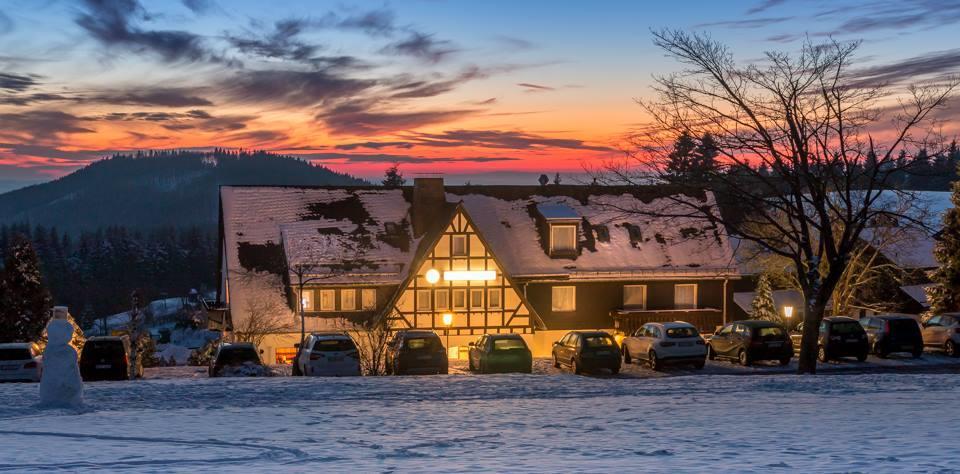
[374, 22]
[16, 82]
[500, 139]
[43, 151]
[162, 97]
[514, 43]
[299, 88]
[190, 120]
[30, 99]
[41, 124]
[764, 6]
[530, 87]
[407, 88]
[363, 118]
[895, 15]
[258, 136]
[929, 65]
[374, 145]
[421, 46]
[390, 158]
[112, 23]
[199, 6]
[749, 23]
[489, 101]
[280, 43]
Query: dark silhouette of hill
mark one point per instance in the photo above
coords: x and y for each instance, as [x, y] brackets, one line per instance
[154, 189]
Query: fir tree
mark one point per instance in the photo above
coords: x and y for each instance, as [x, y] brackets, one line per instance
[392, 178]
[944, 295]
[681, 158]
[25, 300]
[762, 306]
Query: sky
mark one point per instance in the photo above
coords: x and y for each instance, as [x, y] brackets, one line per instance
[493, 91]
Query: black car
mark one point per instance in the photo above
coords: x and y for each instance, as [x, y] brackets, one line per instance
[237, 359]
[749, 341]
[107, 358]
[889, 333]
[840, 336]
[416, 352]
[500, 353]
[587, 350]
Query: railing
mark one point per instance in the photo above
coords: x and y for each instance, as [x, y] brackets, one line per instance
[706, 320]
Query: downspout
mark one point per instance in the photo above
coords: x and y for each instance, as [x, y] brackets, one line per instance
[725, 281]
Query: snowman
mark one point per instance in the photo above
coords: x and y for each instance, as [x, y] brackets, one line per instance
[60, 384]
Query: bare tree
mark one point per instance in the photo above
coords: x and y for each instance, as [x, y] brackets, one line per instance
[372, 337]
[804, 118]
[263, 318]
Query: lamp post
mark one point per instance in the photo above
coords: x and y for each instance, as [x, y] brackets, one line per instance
[447, 322]
[788, 313]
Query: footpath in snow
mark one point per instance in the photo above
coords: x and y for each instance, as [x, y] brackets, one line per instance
[519, 423]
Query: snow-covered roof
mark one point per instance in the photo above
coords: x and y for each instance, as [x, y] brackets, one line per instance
[557, 211]
[781, 298]
[907, 248]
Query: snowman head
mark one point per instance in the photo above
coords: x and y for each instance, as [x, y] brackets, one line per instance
[59, 332]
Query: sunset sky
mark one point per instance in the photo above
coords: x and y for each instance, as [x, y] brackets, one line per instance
[487, 91]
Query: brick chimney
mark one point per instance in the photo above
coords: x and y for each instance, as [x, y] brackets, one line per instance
[429, 201]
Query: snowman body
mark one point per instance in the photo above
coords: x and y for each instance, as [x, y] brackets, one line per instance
[60, 384]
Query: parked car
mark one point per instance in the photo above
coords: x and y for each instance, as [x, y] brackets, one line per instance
[889, 333]
[330, 354]
[749, 341]
[942, 332]
[20, 362]
[107, 358]
[239, 359]
[500, 353]
[661, 344]
[840, 336]
[587, 350]
[416, 352]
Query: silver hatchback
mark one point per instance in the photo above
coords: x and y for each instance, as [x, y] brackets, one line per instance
[20, 362]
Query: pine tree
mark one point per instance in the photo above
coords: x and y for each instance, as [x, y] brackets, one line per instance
[392, 177]
[681, 159]
[26, 301]
[944, 295]
[762, 306]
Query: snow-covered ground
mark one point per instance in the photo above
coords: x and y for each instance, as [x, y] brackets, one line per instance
[518, 423]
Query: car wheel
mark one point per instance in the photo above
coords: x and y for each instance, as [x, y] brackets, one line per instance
[470, 366]
[822, 354]
[744, 358]
[951, 349]
[615, 370]
[576, 367]
[653, 360]
[556, 362]
[878, 350]
[710, 354]
[862, 357]
[626, 356]
[785, 361]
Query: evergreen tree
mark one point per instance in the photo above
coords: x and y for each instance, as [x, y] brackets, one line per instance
[705, 157]
[556, 179]
[681, 158]
[392, 177]
[543, 180]
[25, 300]
[944, 295]
[762, 306]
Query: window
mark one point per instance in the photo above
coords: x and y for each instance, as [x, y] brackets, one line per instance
[368, 298]
[307, 300]
[685, 296]
[423, 300]
[460, 299]
[459, 245]
[348, 300]
[441, 299]
[328, 300]
[476, 298]
[727, 329]
[635, 296]
[564, 298]
[563, 237]
[493, 298]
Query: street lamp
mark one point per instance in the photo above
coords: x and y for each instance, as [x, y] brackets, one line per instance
[432, 276]
[788, 311]
[447, 321]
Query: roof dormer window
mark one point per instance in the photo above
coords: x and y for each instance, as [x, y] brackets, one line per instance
[563, 238]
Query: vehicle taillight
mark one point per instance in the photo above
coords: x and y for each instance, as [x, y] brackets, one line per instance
[886, 327]
[30, 365]
[667, 344]
[316, 356]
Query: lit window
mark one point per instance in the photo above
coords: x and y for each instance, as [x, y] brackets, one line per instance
[423, 300]
[328, 300]
[460, 299]
[564, 298]
[685, 296]
[493, 298]
[348, 300]
[563, 237]
[442, 299]
[368, 298]
[635, 296]
[476, 298]
[307, 300]
[459, 245]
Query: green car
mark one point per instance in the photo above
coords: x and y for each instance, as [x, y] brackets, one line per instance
[500, 353]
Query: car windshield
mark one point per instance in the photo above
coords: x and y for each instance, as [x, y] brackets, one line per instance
[238, 356]
[598, 341]
[769, 333]
[846, 328]
[682, 332]
[508, 344]
[15, 354]
[333, 345]
[905, 325]
[421, 343]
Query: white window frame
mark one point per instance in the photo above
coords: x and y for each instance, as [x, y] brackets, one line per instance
[695, 295]
[424, 296]
[453, 245]
[441, 299]
[368, 295]
[476, 291]
[327, 296]
[643, 290]
[553, 299]
[553, 240]
[348, 299]
[494, 298]
[463, 292]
